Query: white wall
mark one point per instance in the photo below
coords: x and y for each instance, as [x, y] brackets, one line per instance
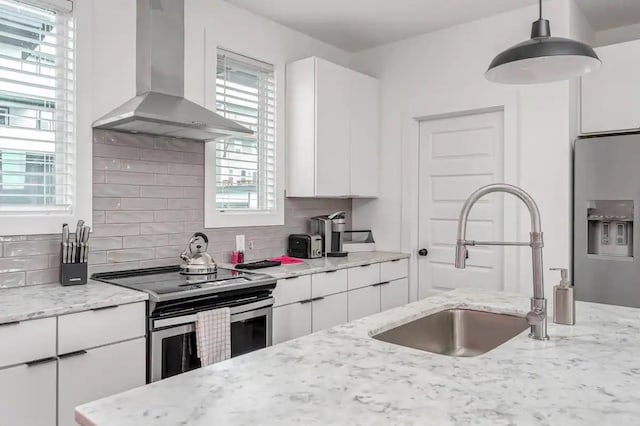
[617, 35]
[442, 72]
[208, 24]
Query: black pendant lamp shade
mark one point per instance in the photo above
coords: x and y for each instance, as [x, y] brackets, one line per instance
[542, 59]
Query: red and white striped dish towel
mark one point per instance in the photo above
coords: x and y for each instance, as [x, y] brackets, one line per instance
[213, 335]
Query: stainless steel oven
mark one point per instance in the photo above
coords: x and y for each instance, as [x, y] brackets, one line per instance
[172, 341]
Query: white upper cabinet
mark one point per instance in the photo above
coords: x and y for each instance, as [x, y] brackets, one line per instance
[332, 131]
[610, 96]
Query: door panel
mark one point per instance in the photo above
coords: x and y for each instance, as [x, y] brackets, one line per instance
[28, 394]
[291, 321]
[99, 373]
[457, 156]
[363, 302]
[330, 311]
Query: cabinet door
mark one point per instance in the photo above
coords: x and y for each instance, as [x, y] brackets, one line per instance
[365, 136]
[394, 294]
[611, 95]
[363, 302]
[89, 375]
[332, 129]
[28, 394]
[329, 311]
[291, 321]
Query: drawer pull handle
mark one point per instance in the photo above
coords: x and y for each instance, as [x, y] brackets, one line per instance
[41, 361]
[331, 272]
[10, 323]
[302, 302]
[72, 354]
[291, 278]
[315, 299]
[396, 260]
[379, 284]
[104, 308]
[365, 266]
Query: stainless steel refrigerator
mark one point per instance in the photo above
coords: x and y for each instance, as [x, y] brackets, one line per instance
[606, 268]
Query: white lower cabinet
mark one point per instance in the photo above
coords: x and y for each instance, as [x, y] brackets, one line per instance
[394, 294]
[363, 302]
[28, 394]
[88, 375]
[291, 321]
[329, 311]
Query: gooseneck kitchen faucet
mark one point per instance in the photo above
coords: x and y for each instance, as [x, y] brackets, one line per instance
[537, 317]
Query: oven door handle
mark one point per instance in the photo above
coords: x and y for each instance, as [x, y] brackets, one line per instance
[238, 313]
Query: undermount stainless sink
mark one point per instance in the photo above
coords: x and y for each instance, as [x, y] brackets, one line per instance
[456, 332]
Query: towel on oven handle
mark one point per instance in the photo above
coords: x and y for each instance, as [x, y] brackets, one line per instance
[213, 335]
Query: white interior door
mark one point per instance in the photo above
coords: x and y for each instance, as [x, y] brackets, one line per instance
[457, 156]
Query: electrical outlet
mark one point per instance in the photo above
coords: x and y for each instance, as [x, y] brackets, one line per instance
[239, 242]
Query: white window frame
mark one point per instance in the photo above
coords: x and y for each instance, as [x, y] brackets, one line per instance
[214, 218]
[51, 223]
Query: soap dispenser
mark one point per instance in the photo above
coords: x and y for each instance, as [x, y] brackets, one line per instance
[564, 302]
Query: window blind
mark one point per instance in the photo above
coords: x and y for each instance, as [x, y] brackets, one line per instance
[245, 166]
[37, 106]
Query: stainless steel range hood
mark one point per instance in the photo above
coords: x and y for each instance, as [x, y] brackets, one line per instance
[160, 107]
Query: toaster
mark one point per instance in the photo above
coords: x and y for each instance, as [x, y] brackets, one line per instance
[305, 246]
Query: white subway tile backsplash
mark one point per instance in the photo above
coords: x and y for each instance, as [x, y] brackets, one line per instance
[13, 279]
[133, 216]
[130, 178]
[186, 169]
[128, 255]
[161, 228]
[144, 166]
[148, 199]
[144, 204]
[31, 248]
[103, 163]
[113, 190]
[180, 180]
[114, 230]
[27, 263]
[140, 241]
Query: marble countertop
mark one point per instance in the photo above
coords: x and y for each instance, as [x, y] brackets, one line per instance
[39, 301]
[323, 264]
[586, 374]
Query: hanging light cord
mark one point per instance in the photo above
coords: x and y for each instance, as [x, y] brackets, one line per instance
[540, 8]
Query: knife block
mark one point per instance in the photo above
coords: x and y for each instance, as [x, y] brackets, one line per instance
[72, 273]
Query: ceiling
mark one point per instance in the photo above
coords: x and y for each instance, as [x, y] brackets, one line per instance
[360, 24]
[608, 14]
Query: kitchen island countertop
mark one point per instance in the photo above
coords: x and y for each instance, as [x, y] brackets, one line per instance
[586, 374]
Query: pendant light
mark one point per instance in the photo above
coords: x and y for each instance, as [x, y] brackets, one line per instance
[542, 59]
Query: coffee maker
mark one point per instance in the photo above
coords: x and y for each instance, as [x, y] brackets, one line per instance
[331, 228]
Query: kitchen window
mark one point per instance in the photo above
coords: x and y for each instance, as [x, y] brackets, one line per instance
[37, 110]
[246, 184]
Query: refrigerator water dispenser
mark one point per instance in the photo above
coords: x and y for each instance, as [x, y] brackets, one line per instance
[610, 228]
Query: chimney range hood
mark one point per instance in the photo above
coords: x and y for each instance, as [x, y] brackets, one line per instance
[160, 107]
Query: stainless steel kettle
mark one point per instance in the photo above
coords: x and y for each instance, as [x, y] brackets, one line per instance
[197, 261]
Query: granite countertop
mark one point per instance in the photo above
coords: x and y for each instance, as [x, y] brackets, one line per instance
[323, 264]
[40, 301]
[586, 374]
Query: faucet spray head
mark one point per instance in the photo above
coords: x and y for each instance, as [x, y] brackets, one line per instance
[461, 255]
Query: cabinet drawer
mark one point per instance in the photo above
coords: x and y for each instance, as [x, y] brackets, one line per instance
[394, 294]
[329, 311]
[330, 282]
[290, 290]
[394, 270]
[291, 321]
[98, 373]
[362, 276]
[28, 394]
[100, 326]
[27, 341]
[363, 302]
